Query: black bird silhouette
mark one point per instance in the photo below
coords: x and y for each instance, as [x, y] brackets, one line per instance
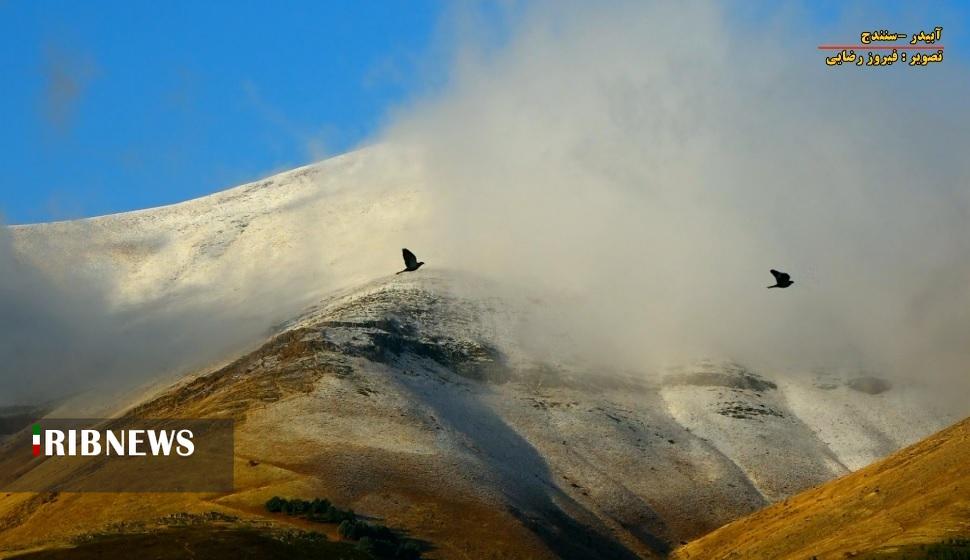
[782, 280]
[410, 261]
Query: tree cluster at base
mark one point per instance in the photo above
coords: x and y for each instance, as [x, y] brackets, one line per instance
[377, 540]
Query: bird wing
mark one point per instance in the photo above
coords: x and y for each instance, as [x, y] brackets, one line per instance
[409, 258]
[780, 276]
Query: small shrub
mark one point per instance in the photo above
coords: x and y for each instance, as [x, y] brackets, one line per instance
[275, 504]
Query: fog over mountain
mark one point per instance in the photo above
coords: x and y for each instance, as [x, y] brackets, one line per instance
[637, 168]
[650, 163]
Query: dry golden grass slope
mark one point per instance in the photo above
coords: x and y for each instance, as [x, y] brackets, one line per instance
[918, 495]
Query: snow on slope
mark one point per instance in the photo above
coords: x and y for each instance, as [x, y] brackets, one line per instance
[861, 427]
[799, 429]
[307, 224]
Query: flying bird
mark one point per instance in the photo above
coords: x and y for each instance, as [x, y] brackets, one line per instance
[410, 261]
[782, 280]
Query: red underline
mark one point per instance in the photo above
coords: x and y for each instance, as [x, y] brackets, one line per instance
[870, 47]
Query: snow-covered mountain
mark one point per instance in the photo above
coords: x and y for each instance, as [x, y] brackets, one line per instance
[414, 399]
[146, 295]
[252, 232]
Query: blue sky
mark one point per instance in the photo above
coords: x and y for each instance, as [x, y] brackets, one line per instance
[111, 106]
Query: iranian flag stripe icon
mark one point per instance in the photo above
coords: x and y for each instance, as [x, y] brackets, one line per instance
[36, 440]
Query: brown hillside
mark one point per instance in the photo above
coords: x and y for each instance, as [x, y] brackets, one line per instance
[918, 495]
